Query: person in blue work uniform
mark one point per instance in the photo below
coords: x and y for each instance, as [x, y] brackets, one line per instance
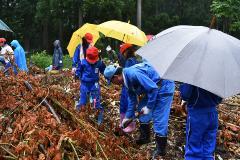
[129, 60]
[143, 79]
[88, 72]
[202, 122]
[19, 56]
[80, 52]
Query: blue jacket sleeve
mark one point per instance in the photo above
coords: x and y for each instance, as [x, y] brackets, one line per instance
[132, 102]
[186, 91]
[79, 70]
[76, 56]
[150, 87]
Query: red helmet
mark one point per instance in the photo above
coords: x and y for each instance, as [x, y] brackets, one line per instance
[2, 40]
[92, 55]
[124, 46]
[89, 37]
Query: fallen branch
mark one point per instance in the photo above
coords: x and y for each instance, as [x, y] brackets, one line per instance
[9, 152]
[101, 149]
[74, 150]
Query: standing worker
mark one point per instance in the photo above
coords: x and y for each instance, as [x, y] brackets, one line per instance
[57, 61]
[88, 72]
[202, 122]
[80, 52]
[19, 56]
[143, 79]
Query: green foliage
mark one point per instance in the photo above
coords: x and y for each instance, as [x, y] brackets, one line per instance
[228, 11]
[41, 59]
[67, 61]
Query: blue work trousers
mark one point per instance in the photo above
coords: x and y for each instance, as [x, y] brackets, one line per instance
[201, 132]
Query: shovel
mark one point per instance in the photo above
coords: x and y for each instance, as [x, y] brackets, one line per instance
[126, 124]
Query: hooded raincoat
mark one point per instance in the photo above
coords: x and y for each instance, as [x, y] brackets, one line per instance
[19, 56]
[57, 60]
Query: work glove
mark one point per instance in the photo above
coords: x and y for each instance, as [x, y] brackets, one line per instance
[183, 103]
[74, 70]
[124, 121]
[145, 110]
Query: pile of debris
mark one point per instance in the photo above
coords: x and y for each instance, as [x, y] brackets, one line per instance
[42, 123]
[29, 130]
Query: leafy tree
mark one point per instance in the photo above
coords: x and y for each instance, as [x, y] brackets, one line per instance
[228, 12]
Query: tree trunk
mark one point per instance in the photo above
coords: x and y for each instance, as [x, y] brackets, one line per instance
[45, 36]
[80, 17]
[60, 33]
[139, 14]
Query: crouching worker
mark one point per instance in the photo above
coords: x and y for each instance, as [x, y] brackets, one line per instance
[202, 122]
[88, 72]
[143, 79]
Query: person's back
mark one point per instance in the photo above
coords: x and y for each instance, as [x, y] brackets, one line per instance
[199, 99]
[19, 55]
[147, 70]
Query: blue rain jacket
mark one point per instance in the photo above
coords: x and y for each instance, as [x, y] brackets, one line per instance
[76, 56]
[143, 79]
[199, 100]
[90, 72]
[19, 55]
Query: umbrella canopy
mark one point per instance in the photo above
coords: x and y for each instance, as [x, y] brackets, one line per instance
[4, 27]
[203, 57]
[123, 31]
[77, 36]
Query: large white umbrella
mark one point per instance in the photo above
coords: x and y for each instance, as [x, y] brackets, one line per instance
[203, 57]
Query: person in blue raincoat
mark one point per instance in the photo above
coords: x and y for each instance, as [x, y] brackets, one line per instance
[80, 52]
[57, 61]
[88, 72]
[19, 56]
[202, 122]
[143, 79]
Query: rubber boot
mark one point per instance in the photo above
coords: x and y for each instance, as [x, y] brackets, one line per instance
[161, 143]
[131, 127]
[145, 132]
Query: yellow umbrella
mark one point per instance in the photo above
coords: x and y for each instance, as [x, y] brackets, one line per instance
[123, 31]
[77, 36]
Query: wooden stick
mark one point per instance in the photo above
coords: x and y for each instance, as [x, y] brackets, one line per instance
[9, 152]
[102, 149]
[74, 150]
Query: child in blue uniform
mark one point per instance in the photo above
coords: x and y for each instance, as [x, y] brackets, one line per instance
[88, 72]
[129, 60]
[202, 122]
[143, 79]
[80, 51]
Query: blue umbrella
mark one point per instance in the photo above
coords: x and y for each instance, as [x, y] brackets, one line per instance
[4, 27]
